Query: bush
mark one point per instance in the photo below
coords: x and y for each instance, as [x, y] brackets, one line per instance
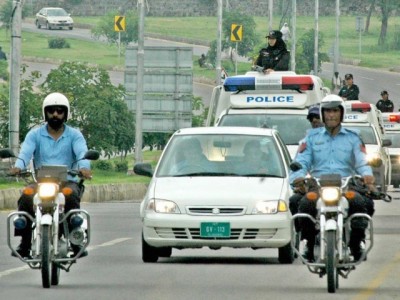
[121, 166]
[58, 43]
[104, 165]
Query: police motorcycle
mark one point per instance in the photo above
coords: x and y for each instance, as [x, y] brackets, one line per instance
[332, 251]
[52, 238]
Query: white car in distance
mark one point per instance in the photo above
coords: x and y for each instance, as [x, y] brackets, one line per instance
[218, 187]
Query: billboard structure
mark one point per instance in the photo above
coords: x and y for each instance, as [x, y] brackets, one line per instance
[167, 87]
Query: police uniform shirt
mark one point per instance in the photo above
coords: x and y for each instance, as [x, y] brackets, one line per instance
[385, 105]
[350, 93]
[320, 153]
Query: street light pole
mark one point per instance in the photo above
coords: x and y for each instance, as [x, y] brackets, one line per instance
[15, 80]
[293, 50]
[219, 44]
[139, 86]
[336, 51]
[316, 33]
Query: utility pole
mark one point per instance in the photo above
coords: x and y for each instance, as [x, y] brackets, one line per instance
[293, 50]
[219, 44]
[316, 33]
[139, 86]
[271, 13]
[336, 51]
[15, 80]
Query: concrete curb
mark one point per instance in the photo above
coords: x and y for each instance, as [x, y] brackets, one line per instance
[93, 193]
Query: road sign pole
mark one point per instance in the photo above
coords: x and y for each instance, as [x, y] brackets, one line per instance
[236, 58]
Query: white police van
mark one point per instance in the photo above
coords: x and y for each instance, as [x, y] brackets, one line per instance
[279, 100]
[366, 119]
[391, 123]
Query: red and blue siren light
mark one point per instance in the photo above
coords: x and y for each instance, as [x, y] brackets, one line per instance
[249, 83]
[361, 107]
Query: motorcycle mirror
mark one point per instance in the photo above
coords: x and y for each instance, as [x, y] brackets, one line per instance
[295, 166]
[143, 169]
[6, 153]
[92, 155]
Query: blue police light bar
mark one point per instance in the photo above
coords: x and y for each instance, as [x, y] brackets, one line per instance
[249, 83]
[233, 84]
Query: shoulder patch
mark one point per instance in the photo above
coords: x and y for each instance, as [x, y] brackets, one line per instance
[302, 147]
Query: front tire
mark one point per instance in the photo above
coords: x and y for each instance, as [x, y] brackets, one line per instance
[331, 271]
[149, 253]
[285, 254]
[45, 252]
[37, 24]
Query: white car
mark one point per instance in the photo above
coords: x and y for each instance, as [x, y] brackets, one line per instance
[54, 18]
[218, 187]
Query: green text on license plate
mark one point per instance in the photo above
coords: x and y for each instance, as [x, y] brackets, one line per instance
[215, 229]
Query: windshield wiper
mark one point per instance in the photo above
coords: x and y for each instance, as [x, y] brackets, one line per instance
[207, 174]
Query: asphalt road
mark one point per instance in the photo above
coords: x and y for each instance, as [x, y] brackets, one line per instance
[114, 269]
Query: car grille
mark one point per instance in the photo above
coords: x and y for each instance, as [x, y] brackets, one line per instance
[216, 210]
[236, 234]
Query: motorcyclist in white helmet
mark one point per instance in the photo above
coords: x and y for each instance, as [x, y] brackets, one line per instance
[333, 149]
[53, 143]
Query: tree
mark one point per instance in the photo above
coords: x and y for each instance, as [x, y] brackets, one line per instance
[386, 6]
[305, 53]
[6, 12]
[371, 8]
[98, 108]
[105, 28]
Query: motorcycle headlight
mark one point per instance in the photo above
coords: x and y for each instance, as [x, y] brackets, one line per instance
[163, 206]
[374, 159]
[330, 195]
[47, 191]
[270, 207]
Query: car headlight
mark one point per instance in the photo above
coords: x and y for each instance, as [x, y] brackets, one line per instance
[48, 190]
[163, 206]
[330, 195]
[270, 207]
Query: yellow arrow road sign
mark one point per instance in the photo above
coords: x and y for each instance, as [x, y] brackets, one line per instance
[119, 23]
[236, 32]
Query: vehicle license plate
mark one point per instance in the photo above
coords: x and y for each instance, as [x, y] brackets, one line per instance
[215, 229]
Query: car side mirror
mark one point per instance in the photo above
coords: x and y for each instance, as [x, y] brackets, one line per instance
[386, 143]
[143, 169]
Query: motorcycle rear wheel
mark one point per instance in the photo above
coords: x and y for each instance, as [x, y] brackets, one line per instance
[45, 251]
[55, 274]
[331, 271]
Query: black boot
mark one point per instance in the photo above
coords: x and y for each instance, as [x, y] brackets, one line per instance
[356, 237]
[24, 248]
[308, 253]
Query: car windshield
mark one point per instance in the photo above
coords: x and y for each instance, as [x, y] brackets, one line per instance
[395, 138]
[222, 155]
[367, 133]
[56, 13]
[292, 128]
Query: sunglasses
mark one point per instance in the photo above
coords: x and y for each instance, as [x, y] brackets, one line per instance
[52, 109]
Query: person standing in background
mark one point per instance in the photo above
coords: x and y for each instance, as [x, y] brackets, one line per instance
[385, 104]
[349, 91]
[285, 32]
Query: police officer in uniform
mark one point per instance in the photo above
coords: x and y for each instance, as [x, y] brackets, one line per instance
[275, 57]
[349, 91]
[385, 104]
[333, 149]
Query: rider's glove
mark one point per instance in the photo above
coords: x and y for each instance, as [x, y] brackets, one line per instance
[369, 182]
[299, 185]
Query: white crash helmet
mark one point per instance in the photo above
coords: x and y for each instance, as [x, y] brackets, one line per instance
[332, 101]
[56, 99]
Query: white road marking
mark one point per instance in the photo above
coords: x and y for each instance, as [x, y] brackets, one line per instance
[90, 248]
